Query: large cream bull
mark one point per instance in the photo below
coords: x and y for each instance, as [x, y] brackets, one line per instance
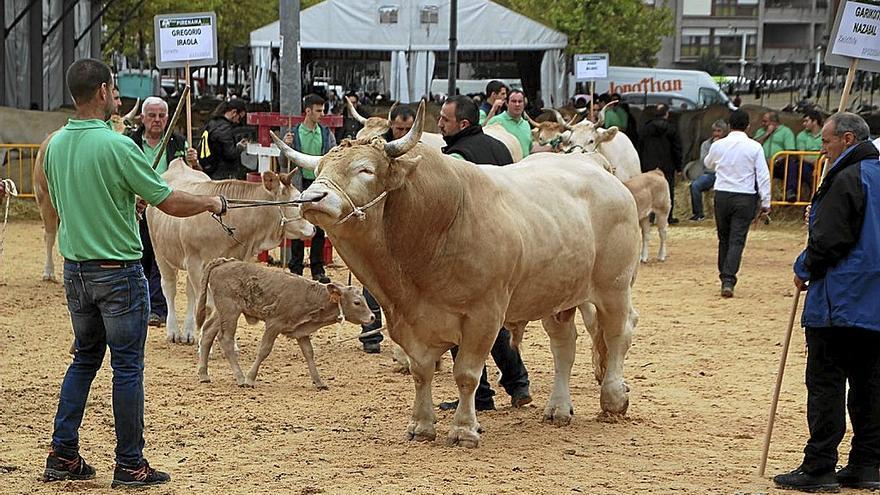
[188, 243]
[453, 251]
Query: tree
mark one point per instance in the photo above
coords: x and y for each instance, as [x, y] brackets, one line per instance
[628, 30]
[710, 63]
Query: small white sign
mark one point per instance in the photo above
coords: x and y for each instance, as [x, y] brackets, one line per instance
[590, 66]
[859, 33]
[186, 38]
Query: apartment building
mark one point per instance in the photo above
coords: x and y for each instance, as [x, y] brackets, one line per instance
[770, 36]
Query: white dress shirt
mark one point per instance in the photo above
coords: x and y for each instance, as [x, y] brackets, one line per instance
[877, 143]
[739, 166]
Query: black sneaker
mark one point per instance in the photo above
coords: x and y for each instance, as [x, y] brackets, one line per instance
[520, 399]
[373, 348]
[478, 405]
[802, 481]
[726, 291]
[142, 475]
[321, 277]
[697, 218]
[673, 221]
[62, 468]
[864, 477]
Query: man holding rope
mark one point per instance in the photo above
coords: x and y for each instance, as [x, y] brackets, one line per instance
[840, 270]
[94, 175]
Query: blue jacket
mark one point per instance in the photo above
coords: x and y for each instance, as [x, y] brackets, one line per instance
[842, 258]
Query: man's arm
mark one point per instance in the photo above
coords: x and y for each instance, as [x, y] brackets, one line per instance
[762, 177]
[711, 160]
[764, 134]
[837, 223]
[184, 204]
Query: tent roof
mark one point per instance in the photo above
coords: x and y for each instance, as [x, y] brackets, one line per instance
[354, 25]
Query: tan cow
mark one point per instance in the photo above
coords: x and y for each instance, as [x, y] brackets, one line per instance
[289, 304]
[454, 251]
[187, 243]
[378, 126]
[651, 192]
[41, 193]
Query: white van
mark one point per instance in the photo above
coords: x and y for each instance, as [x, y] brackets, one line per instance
[690, 85]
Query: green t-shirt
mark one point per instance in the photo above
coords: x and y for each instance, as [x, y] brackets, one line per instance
[809, 142]
[615, 117]
[781, 140]
[519, 128]
[483, 116]
[310, 144]
[94, 175]
[150, 153]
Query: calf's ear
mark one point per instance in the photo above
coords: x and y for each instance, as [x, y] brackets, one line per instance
[287, 179]
[606, 135]
[335, 292]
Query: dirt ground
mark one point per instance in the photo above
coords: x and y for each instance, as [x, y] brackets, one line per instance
[701, 371]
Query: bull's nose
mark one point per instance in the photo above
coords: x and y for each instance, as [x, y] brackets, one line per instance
[308, 196]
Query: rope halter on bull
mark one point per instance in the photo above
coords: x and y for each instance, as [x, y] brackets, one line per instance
[356, 211]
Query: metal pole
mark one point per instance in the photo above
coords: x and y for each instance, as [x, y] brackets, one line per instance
[742, 59]
[3, 58]
[453, 46]
[35, 35]
[290, 84]
[67, 33]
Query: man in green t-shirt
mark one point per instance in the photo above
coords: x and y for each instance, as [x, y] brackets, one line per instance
[512, 120]
[496, 95]
[614, 115]
[314, 139]
[809, 139]
[94, 176]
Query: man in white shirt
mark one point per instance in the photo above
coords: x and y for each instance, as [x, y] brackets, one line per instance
[877, 143]
[741, 178]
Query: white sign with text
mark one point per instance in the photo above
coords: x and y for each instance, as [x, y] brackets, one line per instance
[590, 66]
[186, 39]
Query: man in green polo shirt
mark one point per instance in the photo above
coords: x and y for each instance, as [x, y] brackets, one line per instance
[774, 136]
[809, 139]
[512, 120]
[94, 176]
[314, 139]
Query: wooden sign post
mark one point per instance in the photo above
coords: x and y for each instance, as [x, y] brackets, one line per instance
[589, 67]
[186, 40]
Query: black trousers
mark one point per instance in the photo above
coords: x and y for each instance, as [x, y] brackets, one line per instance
[734, 213]
[373, 304]
[514, 376]
[158, 304]
[838, 355]
[298, 249]
[670, 179]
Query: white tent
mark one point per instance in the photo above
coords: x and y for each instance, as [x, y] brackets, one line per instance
[355, 25]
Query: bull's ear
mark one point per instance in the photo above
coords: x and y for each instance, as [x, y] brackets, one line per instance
[271, 181]
[334, 291]
[606, 135]
[398, 170]
[287, 179]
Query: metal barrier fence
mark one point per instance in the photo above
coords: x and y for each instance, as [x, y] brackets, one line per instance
[17, 163]
[805, 166]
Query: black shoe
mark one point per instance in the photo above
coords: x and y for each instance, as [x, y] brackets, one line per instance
[697, 218]
[372, 348]
[478, 405]
[859, 477]
[726, 291]
[802, 481]
[520, 399]
[673, 221]
[156, 320]
[142, 475]
[321, 277]
[62, 468]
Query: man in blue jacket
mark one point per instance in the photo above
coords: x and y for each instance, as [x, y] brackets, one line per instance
[840, 269]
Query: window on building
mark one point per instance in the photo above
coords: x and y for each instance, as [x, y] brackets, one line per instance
[697, 8]
[695, 42]
[729, 42]
[388, 14]
[735, 8]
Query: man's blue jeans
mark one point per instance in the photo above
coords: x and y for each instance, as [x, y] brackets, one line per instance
[109, 307]
[702, 184]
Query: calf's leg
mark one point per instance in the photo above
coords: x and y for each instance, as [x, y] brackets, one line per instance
[645, 224]
[305, 345]
[209, 332]
[270, 334]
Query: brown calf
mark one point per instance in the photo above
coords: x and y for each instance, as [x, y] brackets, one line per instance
[651, 192]
[287, 303]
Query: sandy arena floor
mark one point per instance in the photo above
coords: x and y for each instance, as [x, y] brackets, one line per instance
[701, 371]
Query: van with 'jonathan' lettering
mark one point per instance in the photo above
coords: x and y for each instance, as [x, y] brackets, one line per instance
[692, 85]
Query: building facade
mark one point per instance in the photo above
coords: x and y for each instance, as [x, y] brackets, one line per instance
[752, 37]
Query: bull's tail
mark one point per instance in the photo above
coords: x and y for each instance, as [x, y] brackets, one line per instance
[203, 293]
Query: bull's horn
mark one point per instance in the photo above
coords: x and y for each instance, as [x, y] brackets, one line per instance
[354, 113]
[601, 120]
[400, 147]
[531, 122]
[134, 111]
[301, 160]
[559, 118]
[390, 110]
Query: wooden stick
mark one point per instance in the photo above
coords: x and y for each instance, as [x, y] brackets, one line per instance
[785, 344]
[189, 120]
[592, 93]
[170, 128]
[847, 87]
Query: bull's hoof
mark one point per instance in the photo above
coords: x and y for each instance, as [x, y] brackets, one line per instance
[49, 278]
[558, 416]
[614, 407]
[421, 433]
[205, 379]
[463, 437]
[321, 386]
[609, 417]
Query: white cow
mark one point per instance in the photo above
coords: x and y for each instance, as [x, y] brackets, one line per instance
[188, 243]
